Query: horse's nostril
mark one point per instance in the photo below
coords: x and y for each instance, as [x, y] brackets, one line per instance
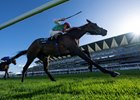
[105, 33]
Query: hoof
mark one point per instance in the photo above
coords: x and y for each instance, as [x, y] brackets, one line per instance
[90, 69]
[22, 80]
[114, 74]
[4, 78]
[54, 80]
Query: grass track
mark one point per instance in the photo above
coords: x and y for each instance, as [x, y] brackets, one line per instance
[84, 86]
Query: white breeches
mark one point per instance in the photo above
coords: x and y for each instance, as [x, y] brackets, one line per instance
[55, 32]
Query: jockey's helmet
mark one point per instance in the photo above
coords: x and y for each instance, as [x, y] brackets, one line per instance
[67, 24]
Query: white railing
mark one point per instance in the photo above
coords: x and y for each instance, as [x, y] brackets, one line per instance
[85, 69]
[35, 11]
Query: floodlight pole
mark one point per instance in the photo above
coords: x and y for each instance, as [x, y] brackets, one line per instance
[35, 11]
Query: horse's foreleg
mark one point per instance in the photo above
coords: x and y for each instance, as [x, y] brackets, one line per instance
[46, 65]
[78, 52]
[5, 75]
[90, 65]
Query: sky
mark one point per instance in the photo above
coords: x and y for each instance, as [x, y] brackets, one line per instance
[116, 16]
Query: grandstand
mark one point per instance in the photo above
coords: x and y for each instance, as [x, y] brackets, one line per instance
[119, 52]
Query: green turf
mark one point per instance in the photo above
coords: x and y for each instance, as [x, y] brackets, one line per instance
[84, 86]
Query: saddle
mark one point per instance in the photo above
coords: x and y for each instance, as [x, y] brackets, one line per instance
[5, 59]
[54, 41]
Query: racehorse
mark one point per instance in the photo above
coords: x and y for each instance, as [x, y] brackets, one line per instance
[4, 66]
[66, 45]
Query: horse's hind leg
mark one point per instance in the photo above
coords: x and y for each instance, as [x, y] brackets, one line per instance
[6, 72]
[29, 61]
[46, 65]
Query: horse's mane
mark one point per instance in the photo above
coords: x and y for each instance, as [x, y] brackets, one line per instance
[74, 31]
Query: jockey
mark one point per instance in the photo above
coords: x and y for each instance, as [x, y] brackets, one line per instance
[5, 59]
[59, 28]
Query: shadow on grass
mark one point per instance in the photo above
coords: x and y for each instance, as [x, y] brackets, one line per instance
[49, 90]
[101, 82]
[54, 90]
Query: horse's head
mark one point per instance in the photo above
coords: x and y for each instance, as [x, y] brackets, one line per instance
[94, 29]
[13, 62]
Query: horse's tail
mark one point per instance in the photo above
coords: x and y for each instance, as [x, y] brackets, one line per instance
[19, 54]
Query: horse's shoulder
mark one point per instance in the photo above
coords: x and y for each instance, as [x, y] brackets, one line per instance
[39, 40]
[44, 40]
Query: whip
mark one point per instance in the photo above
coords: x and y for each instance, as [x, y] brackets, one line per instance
[73, 15]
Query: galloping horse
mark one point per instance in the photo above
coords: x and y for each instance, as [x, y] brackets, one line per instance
[66, 45]
[4, 66]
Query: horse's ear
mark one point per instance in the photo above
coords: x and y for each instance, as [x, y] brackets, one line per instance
[88, 21]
